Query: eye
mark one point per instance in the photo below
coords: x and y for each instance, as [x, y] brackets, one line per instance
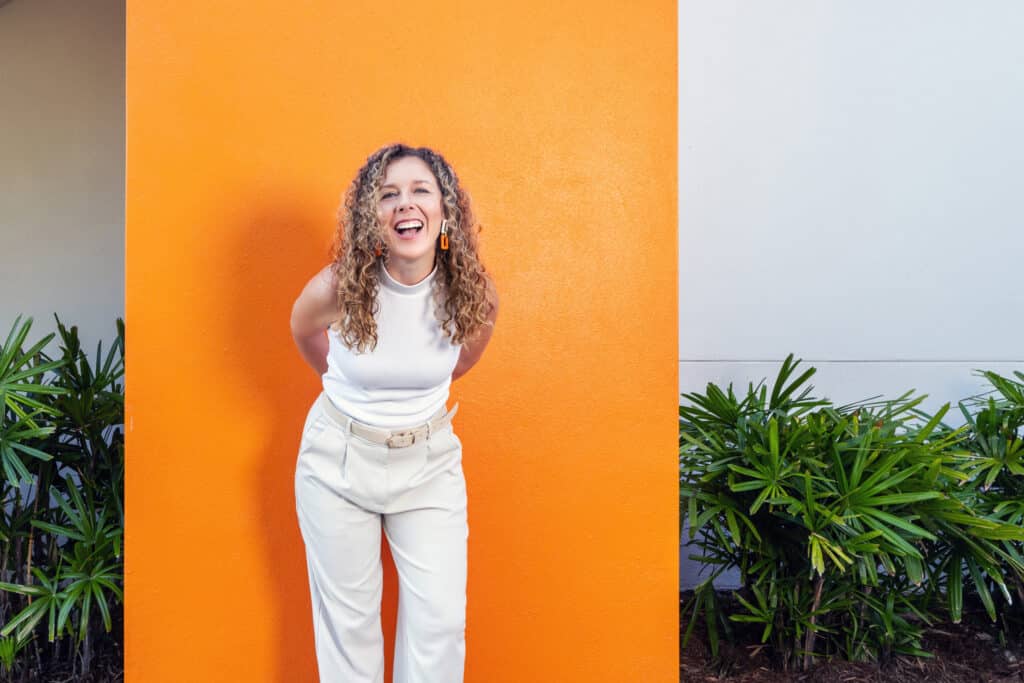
[388, 195]
[423, 189]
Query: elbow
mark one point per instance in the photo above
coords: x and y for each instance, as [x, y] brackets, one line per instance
[299, 325]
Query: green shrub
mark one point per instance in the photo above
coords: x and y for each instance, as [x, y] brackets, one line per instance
[996, 490]
[843, 521]
[62, 522]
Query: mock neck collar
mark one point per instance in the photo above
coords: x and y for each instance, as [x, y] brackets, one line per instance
[394, 285]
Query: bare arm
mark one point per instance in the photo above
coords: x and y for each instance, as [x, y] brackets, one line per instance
[473, 349]
[313, 311]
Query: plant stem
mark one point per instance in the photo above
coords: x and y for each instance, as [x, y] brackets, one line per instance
[3, 573]
[796, 638]
[86, 652]
[17, 544]
[812, 631]
[31, 540]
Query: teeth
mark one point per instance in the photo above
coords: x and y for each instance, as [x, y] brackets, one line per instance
[409, 224]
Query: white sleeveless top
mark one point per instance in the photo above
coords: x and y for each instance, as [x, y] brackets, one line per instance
[405, 380]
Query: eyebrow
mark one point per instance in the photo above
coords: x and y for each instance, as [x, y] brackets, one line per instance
[415, 182]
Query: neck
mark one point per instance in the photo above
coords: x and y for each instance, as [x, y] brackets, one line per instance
[408, 273]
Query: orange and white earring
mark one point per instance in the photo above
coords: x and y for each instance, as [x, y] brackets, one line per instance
[379, 249]
[444, 235]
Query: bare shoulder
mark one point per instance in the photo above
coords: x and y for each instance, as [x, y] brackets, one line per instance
[322, 289]
[317, 305]
[326, 279]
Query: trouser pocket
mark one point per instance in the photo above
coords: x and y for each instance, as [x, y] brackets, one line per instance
[321, 463]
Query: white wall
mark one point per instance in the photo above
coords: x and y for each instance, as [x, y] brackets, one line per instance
[62, 164]
[850, 190]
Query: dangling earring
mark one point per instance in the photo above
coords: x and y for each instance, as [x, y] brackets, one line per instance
[379, 249]
[444, 235]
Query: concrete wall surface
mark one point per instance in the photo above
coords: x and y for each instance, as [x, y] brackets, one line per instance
[62, 165]
[849, 192]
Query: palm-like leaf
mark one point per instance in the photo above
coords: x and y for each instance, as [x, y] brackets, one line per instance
[814, 503]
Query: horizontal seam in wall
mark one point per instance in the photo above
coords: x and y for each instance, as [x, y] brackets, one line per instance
[812, 360]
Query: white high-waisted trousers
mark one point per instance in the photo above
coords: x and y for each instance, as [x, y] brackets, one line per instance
[346, 489]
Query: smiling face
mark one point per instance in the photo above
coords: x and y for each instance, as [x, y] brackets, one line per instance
[410, 211]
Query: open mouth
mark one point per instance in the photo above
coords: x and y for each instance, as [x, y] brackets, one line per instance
[409, 228]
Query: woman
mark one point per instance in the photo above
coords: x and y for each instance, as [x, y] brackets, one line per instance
[408, 308]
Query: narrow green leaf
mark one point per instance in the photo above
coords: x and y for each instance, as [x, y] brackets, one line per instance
[979, 584]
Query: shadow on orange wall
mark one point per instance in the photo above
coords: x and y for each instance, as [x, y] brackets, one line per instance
[285, 241]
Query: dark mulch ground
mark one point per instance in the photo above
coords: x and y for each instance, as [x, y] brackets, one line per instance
[109, 668]
[51, 663]
[966, 652]
[106, 667]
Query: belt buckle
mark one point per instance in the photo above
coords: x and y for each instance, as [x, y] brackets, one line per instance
[401, 439]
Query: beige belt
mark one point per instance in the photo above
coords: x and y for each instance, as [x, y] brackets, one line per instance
[392, 438]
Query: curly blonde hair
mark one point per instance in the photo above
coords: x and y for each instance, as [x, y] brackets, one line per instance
[460, 287]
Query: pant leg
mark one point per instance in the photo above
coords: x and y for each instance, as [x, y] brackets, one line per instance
[428, 543]
[343, 558]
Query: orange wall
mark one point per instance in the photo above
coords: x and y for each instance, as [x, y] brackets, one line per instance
[245, 122]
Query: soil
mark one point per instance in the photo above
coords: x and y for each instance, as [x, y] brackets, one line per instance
[108, 668]
[107, 664]
[967, 652]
